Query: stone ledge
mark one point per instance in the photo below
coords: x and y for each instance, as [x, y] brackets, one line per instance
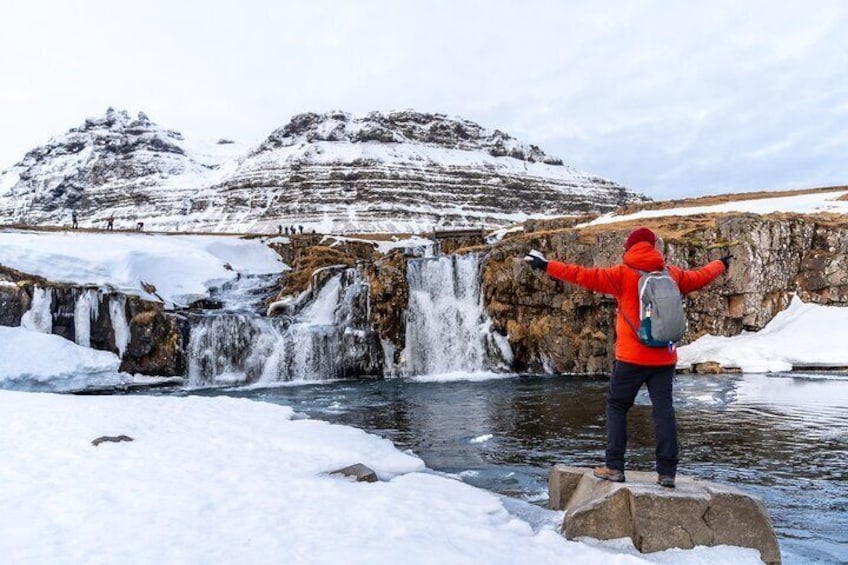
[655, 518]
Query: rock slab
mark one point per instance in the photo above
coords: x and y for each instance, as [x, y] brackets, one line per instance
[359, 472]
[656, 518]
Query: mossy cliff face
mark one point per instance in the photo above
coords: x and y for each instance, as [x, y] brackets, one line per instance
[157, 340]
[560, 327]
[389, 299]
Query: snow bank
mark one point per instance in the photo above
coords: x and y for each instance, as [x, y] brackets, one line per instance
[812, 203]
[181, 267]
[224, 480]
[803, 334]
[32, 360]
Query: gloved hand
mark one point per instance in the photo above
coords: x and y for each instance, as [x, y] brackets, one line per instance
[536, 260]
[726, 260]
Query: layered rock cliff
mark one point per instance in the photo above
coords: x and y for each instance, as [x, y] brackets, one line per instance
[559, 327]
[335, 172]
[550, 326]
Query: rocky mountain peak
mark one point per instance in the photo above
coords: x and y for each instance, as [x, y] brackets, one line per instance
[403, 171]
[112, 148]
[113, 134]
[406, 126]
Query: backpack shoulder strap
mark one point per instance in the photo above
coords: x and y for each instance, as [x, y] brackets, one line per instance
[630, 323]
[623, 313]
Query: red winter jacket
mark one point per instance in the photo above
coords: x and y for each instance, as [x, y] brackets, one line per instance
[621, 282]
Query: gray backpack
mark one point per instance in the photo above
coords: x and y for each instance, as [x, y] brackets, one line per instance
[662, 318]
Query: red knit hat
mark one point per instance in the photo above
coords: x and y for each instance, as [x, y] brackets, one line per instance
[640, 234]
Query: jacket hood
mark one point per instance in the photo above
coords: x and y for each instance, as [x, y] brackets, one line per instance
[644, 257]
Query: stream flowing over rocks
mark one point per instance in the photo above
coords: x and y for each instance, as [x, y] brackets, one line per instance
[349, 310]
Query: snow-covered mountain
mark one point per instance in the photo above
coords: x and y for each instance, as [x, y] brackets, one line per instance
[400, 172]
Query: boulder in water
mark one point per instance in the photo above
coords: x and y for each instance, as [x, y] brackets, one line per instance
[656, 518]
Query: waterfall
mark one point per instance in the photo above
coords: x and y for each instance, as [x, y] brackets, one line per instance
[328, 338]
[39, 317]
[447, 329]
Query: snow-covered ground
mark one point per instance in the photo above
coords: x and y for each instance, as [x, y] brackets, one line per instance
[813, 203]
[801, 335]
[223, 480]
[181, 267]
[31, 360]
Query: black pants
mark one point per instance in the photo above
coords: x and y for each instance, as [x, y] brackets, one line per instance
[625, 382]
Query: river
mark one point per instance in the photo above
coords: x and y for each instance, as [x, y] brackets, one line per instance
[782, 437]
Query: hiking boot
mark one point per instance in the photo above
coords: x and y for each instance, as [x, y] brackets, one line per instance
[608, 474]
[665, 481]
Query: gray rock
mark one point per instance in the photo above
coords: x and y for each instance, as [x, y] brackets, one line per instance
[112, 439]
[360, 472]
[655, 518]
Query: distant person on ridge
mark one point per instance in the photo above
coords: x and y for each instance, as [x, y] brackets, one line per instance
[639, 358]
[74, 222]
[110, 223]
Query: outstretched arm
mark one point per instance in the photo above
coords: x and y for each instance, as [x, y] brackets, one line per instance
[606, 280]
[690, 281]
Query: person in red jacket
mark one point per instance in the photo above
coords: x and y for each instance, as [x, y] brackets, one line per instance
[636, 363]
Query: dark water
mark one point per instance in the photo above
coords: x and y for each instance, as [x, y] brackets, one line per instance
[783, 438]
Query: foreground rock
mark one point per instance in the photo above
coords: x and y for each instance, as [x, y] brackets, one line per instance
[359, 472]
[654, 518]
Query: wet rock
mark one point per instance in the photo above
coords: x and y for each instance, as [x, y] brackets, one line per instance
[157, 340]
[656, 518]
[14, 301]
[206, 304]
[389, 299]
[360, 472]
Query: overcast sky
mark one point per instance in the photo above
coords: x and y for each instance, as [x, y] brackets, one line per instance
[668, 98]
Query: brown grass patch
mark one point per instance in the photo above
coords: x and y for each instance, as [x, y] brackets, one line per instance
[310, 260]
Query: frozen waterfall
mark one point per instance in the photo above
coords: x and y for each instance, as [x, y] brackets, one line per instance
[91, 317]
[447, 329]
[86, 311]
[39, 317]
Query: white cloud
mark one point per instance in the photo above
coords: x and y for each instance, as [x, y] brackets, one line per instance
[668, 98]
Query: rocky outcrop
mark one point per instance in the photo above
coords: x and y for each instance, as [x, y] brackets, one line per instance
[157, 340]
[559, 327]
[400, 172]
[358, 472]
[14, 301]
[389, 301]
[112, 165]
[655, 518]
[550, 326]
